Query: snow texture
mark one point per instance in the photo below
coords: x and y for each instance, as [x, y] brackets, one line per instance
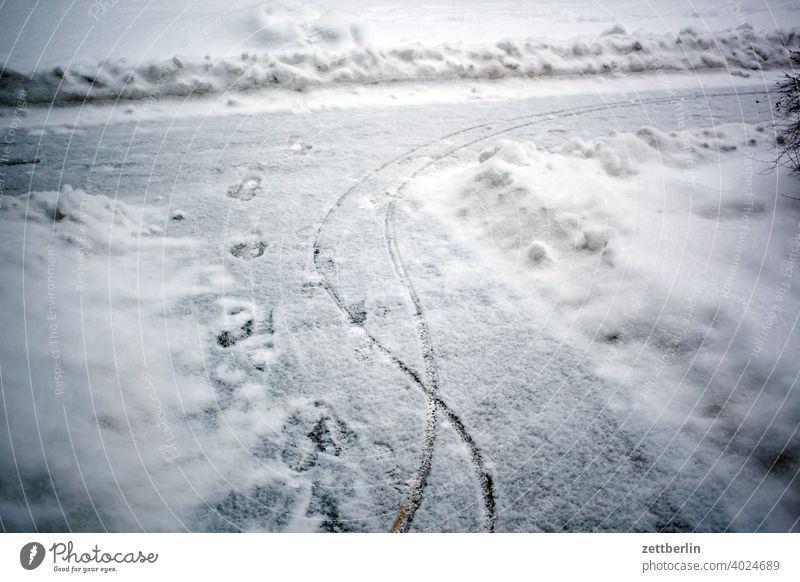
[741, 51]
[627, 255]
[463, 267]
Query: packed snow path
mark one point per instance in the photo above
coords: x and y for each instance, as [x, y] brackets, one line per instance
[339, 279]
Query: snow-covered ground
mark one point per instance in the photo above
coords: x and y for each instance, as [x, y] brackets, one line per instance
[131, 50]
[46, 34]
[464, 267]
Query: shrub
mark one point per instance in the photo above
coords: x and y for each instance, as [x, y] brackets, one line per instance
[788, 109]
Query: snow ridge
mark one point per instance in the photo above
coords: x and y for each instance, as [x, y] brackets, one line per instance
[740, 51]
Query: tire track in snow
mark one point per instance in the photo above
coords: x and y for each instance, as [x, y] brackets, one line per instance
[399, 267]
[435, 404]
[431, 372]
[430, 389]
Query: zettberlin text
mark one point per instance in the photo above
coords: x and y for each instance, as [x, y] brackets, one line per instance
[671, 549]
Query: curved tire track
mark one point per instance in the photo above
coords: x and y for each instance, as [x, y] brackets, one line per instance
[435, 403]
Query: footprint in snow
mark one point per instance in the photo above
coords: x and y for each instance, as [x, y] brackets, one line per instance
[249, 250]
[246, 189]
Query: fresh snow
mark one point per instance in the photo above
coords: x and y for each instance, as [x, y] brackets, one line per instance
[41, 35]
[632, 247]
[615, 52]
[354, 266]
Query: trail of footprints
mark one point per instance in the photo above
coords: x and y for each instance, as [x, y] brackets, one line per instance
[313, 437]
[329, 435]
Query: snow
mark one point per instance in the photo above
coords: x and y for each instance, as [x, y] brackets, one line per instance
[124, 371]
[44, 35]
[741, 52]
[295, 267]
[629, 247]
[137, 51]
[87, 396]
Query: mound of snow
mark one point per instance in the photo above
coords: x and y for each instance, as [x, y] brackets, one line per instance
[93, 224]
[104, 396]
[663, 257]
[277, 26]
[330, 50]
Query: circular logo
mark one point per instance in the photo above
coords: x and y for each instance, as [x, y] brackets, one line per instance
[31, 555]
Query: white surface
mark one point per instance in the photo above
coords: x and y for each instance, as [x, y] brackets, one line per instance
[44, 34]
[590, 306]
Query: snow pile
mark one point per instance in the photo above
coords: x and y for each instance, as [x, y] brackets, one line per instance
[277, 26]
[662, 257]
[110, 417]
[330, 51]
[571, 195]
[93, 224]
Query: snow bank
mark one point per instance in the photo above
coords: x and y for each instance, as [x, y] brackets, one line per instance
[334, 52]
[667, 258]
[112, 423]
